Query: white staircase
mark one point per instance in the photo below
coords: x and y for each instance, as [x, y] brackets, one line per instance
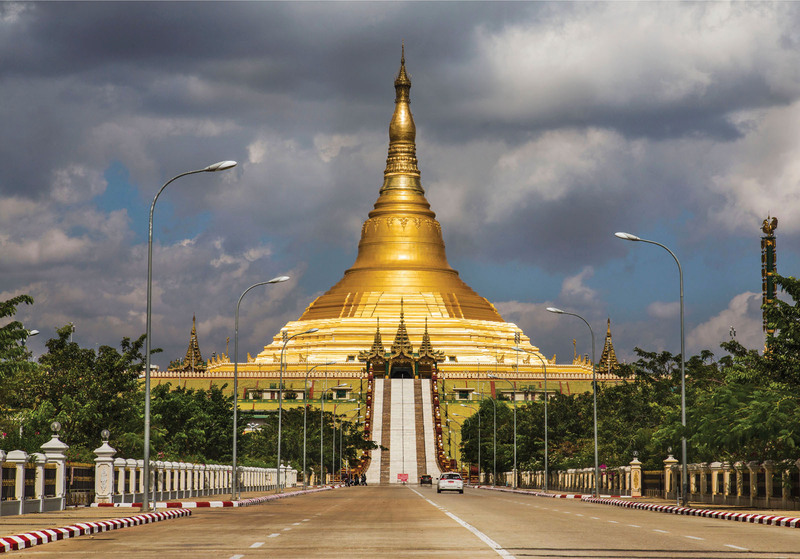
[374, 470]
[403, 441]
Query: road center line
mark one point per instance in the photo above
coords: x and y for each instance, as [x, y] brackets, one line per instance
[256, 545]
[634, 526]
[660, 531]
[736, 547]
[483, 537]
[273, 535]
[693, 537]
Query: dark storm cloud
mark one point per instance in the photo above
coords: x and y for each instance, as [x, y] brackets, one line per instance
[542, 129]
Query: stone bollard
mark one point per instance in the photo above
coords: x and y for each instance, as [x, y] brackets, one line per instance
[54, 450]
[636, 478]
[19, 458]
[104, 471]
[670, 479]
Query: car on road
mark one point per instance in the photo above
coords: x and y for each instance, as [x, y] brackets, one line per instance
[425, 480]
[450, 481]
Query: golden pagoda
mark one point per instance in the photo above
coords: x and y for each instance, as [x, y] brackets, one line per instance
[400, 281]
[193, 361]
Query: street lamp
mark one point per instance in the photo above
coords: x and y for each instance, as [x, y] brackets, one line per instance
[461, 427]
[221, 166]
[478, 410]
[494, 441]
[341, 434]
[322, 430]
[235, 482]
[514, 396]
[333, 439]
[544, 368]
[305, 415]
[286, 340]
[684, 474]
[594, 398]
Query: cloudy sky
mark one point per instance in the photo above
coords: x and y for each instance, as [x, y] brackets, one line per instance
[542, 128]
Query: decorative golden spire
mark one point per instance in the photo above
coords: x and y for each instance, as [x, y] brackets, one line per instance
[193, 360]
[608, 361]
[402, 344]
[401, 163]
[376, 353]
[426, 350]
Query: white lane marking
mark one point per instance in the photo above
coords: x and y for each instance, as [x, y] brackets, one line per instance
[256, 545]
[236, 556]
[576, 514]
[296, 523]
[736, 547]
[631, 525]
[613, 522]
[660, 531]
[593, 518]
[305, 519]
[483, 537]
[693, 537]
[287, 528]
[273, 535]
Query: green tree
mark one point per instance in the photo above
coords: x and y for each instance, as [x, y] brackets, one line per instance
[86, 391]
[191, 425]
[15, 359]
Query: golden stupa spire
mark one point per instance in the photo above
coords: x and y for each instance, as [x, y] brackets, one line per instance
[401, 251]
[608, 361]
[193, 360]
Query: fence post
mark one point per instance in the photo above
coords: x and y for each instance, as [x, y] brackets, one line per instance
[769, 481]
[54, 450]
[636, 478]
[19, 458]
[104, 472]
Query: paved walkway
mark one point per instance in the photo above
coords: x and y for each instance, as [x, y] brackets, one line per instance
[14, 525]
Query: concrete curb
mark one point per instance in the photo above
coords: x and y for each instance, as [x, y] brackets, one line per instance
[768, 519]
[617, 501]
[38, 537]
[220, 504]
[551, 495]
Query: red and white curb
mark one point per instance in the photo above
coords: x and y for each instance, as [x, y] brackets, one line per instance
[220, 504]
[38, 537]
[551, 495]
[753, 518]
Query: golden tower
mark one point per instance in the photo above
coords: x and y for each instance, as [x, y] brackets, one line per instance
[400, 280]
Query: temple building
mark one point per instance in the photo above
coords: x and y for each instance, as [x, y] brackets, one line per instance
[400, 313]
[193, 361]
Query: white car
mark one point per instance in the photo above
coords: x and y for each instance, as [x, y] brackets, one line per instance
[450, 481]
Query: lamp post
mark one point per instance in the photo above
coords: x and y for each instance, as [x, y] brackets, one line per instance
[544, 368]
[286, 340]
[305, 416]
[341, 434]
[450, 420]
[514, 396]
[594, 399]
[478, 410]
[494, 442]
[333, 450]
[684, 474]
[235, 482]
[322, 430]
[221, 166]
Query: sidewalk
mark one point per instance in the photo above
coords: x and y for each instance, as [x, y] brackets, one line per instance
[787, 518]
[28, 523]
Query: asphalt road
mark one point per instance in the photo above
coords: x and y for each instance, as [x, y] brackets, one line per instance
[411, 521]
